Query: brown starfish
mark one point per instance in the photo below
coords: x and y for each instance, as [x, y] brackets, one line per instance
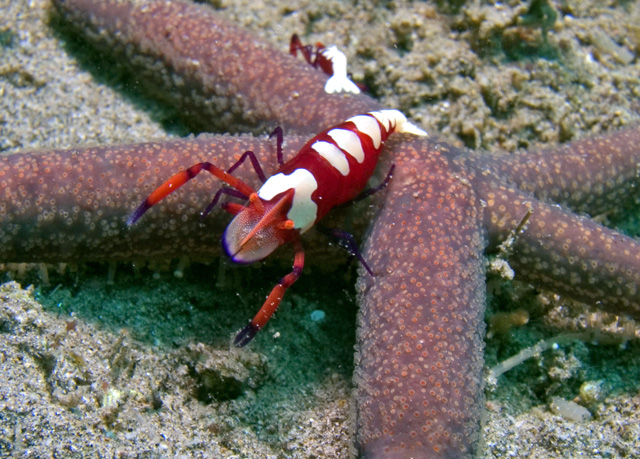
[461, 184]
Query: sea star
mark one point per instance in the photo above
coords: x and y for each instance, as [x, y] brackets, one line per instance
[475, 269]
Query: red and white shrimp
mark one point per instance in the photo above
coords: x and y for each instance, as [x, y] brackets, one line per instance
[330, 169]
[331, 61]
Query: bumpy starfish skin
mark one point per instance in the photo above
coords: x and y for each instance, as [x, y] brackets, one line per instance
[559, 250]
[72, 204]
[228, 78]
[590, 175]
[421, 322]
[420, 347]
[565, 253]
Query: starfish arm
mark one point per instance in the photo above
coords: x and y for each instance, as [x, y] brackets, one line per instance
[419, 359]
[565, 253]
[222, 76]
[71, 205]
[589, 175]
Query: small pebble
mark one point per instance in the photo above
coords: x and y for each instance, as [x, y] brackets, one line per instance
[318, 315]
[569, 410]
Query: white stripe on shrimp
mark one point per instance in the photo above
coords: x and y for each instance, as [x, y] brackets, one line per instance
[303, 210]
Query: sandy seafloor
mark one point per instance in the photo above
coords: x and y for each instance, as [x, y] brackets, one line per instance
[144, 367]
